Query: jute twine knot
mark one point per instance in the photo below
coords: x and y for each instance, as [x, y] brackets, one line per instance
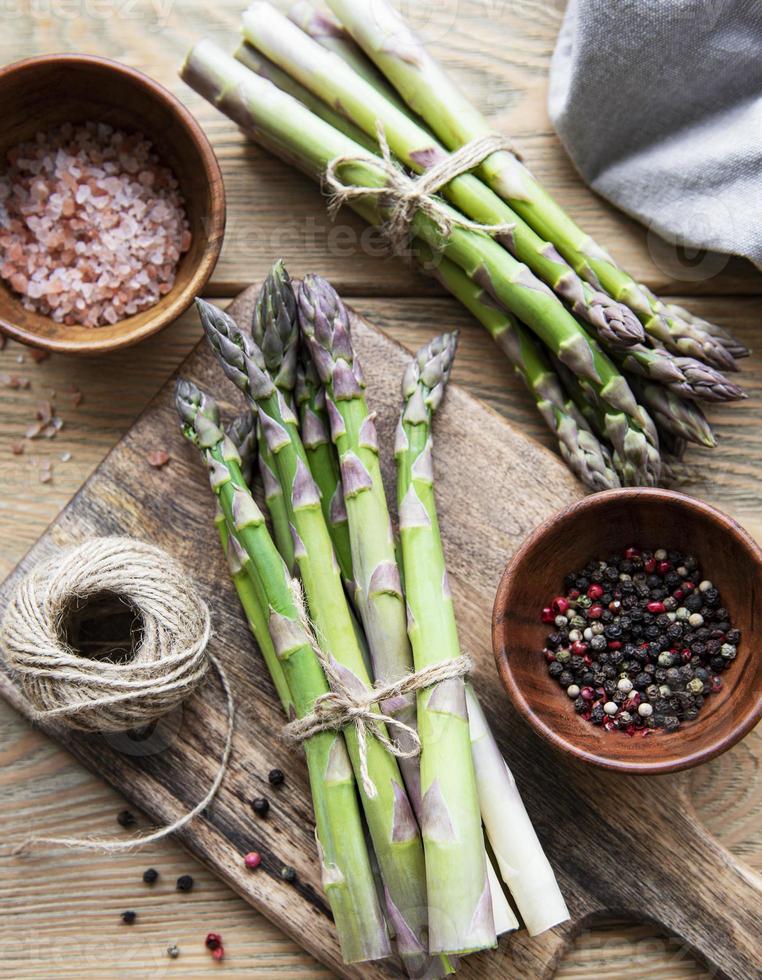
[350, 702]
[403, 196]
[112, 693]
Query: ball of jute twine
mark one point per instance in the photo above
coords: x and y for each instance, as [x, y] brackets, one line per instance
[114, 694]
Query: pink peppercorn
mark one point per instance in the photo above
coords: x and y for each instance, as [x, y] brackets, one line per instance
[252, 860]
[663, 567]
[595, 611]
[578, 648]
[547, 615]
[655, 607]
[631, 553]
[560, 605]
[615, 644]
[219, 953]
[587, 693]
[595, 591]
[574, 593]
[649, 566]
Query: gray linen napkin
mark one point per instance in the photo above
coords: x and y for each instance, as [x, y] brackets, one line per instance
[659, 105]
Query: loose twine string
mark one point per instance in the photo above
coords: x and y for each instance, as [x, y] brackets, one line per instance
[356, 704]
[403, 196]
[106, 695]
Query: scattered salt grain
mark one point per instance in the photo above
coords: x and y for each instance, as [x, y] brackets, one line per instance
[84, 211]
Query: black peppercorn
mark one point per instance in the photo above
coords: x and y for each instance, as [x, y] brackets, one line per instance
[555, 669]
[288, 873]
[126, 819]
[566, 678]
[580, 705]
[693, 602]
[675, 631]
[671, 723]
[184, 883]
[597, 715]
[150, 876]
[129, 917]
[642, 681]
[261, 806]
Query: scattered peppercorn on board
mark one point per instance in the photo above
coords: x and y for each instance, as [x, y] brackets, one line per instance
[602, 831]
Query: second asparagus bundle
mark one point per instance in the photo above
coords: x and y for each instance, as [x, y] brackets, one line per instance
[316, 98]
[441, 894]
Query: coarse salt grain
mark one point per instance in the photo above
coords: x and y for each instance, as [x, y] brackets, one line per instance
[83, 212]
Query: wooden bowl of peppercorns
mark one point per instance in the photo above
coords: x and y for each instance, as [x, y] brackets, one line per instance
[625, 631]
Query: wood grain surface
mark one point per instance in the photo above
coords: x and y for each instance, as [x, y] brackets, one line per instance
[62, 912]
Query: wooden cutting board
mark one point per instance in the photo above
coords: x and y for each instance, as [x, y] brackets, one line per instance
[623, 845]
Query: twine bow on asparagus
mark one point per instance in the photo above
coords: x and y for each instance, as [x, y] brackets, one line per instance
[403, 195]
[343, 706]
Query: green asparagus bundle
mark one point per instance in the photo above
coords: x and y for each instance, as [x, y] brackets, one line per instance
[392, 825]
[286, 127]
[352, 90]
[290, 656]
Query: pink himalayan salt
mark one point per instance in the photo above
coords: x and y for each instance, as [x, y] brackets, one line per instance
[92, 226]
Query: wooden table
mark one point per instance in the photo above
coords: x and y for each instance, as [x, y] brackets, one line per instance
[62, 911]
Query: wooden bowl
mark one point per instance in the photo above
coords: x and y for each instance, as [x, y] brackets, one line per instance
[40, 93]
[597, 526]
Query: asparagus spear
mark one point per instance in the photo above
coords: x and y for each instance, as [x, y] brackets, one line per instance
[587, 458]
[242, 434]
[720, 334]
[323, 27]
[346, 871]
[460, 916]
[378, 591]
[382, 33]
[275, 330]
[256, 61]
[324, 466]
[334, 81]
[684, 376]
[394, 832]
[519, 854]
[684, 419]
[288, 129]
